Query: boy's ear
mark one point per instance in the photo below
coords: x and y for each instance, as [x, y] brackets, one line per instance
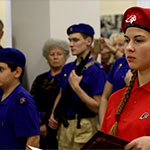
[89, 40]
[18, 72]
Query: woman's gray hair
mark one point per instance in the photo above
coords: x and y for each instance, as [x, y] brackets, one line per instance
[55, 43]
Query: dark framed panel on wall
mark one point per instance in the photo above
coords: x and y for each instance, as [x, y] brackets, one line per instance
[110, 24]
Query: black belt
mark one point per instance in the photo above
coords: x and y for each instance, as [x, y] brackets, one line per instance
[72, 117]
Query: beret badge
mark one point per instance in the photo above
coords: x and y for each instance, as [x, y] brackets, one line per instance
[131, 19]
[70, 29]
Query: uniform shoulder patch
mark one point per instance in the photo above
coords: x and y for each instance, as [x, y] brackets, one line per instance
[21, 98]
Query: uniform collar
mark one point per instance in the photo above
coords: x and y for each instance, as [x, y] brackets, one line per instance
[145, 87]
[8, 99]
[90, 59]
[50, 76]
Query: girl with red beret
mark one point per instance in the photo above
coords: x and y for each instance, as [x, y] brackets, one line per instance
[128, 112]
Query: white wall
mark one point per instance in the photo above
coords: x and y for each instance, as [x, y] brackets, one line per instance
[143, 3]
[64, 13]
[31, 28]
[108, 7]
[5, 16]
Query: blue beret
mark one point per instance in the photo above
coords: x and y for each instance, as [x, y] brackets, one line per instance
[12, 55]
[82, 28]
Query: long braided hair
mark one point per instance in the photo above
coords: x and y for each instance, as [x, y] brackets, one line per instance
[113, 130]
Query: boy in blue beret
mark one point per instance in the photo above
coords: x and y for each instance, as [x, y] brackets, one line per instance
[19, 120]
[83, 103]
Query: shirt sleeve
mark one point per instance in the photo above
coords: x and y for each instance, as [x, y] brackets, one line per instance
[26, 117]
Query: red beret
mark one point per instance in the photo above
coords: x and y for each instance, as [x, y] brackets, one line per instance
[136, 17]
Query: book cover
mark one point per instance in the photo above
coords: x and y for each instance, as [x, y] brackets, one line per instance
[102, 141]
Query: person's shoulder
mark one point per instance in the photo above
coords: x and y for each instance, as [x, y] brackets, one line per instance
[98, 65]
[119, 93]
[95, 70]
[120, 59]
[24, 97]
[45, 74]
[69, 64]
[39, 78]
[116, 97]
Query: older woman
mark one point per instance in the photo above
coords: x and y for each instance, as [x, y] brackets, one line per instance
[45, 88]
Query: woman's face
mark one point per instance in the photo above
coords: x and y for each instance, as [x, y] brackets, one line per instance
[56, 58]
[119, 44]
[137, 49]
